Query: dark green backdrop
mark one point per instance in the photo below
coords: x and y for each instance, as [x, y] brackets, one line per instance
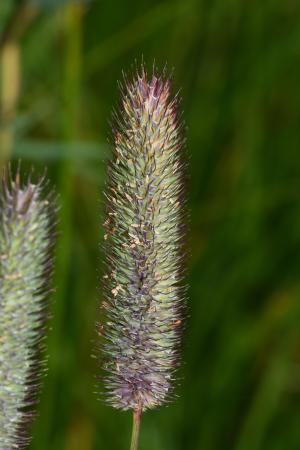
[238, 66]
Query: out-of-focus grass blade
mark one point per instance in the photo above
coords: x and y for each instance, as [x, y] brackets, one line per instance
[51, 151]
[4, 12]
[138, 29]
[54, 3]
[23, 123]
[266, 402]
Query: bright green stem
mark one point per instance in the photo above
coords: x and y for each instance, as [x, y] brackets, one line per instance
[135, 429]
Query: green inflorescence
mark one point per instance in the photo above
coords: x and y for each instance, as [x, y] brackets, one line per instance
[26, 238]
[143, 284]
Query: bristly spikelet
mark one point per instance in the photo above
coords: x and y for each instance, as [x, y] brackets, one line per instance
[26, 240]
[144, 295]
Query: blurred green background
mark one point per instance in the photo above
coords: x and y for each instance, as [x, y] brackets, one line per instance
[238, 64]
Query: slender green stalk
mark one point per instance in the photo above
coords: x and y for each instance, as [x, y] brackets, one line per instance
[136, 423]
[71, 16]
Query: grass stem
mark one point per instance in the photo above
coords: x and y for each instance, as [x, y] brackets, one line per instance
[135, 429]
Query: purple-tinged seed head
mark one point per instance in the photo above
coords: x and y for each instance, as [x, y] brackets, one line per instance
[144, 236]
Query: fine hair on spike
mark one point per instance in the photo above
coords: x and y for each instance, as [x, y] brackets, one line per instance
[144, 291]
[27, 237]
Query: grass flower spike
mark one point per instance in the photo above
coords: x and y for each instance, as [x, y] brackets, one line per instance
[144, 294]
[26, 238]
